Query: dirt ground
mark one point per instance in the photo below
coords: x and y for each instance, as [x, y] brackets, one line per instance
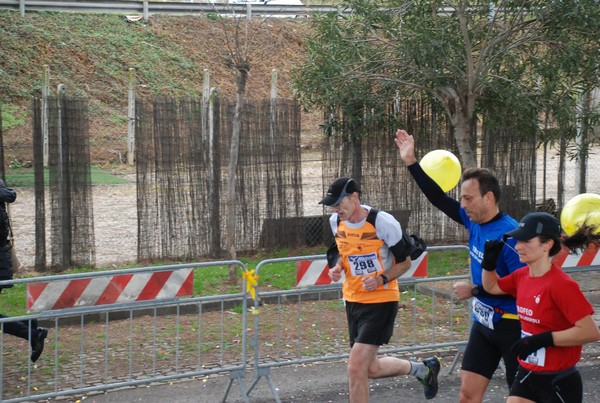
[115, 225]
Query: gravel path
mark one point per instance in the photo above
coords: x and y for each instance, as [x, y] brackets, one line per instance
[327, 382]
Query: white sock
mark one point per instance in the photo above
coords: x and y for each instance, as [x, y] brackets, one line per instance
[418, 369]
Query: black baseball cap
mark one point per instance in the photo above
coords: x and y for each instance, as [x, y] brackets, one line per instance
[536, 224]
[340, 188]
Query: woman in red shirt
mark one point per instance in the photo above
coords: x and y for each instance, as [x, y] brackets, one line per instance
[556, 318]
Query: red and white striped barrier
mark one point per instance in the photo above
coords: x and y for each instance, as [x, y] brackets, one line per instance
[590, 257]
[109, 290]
[315, 272]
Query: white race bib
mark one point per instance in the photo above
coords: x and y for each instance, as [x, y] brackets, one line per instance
[537, 357]
[483, 313]
[362, 265]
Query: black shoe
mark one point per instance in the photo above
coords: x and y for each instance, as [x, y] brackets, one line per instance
[430, 381]
[37, 343]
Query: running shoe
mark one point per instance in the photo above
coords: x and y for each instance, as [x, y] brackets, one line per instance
[430, 381]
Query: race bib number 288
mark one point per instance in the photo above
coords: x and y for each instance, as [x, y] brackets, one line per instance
[361, 265]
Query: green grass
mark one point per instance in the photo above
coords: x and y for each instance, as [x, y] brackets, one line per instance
[274, 276]
[13, 300]
[448, 263]
[21, 177]
[11, 116]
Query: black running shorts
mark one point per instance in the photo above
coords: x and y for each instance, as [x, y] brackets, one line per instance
[558, 387]
[486, 347]
[371, 323]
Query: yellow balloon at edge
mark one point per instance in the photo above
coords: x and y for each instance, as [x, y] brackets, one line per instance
[443, 167]
[581, 209]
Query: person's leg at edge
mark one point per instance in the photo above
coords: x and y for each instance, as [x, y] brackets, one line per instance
[359, 373]
[20, 328]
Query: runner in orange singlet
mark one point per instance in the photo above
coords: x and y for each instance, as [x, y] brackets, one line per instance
[373, 253]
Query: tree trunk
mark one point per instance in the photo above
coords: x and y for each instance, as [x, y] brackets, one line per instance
[562, 162]
[583, 147]
[460, 108]
[462, 135]
[241, 80]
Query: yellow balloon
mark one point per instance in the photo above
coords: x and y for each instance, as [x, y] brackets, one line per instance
[443, 167]
[581, 209]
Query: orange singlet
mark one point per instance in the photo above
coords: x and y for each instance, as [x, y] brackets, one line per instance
[360, 252]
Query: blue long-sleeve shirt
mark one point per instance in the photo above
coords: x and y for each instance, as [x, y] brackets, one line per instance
[478, 235]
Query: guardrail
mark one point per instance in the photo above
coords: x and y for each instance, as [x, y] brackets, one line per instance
[147, 8]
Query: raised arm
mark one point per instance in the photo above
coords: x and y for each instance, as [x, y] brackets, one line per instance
[434, 193]
[406, 144]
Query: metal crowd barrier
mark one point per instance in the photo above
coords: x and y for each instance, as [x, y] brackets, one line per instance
[301, 332]
[162, 340]
[142, 342]
[309, 325]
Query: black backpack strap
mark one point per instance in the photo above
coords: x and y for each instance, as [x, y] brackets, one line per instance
[372, 216]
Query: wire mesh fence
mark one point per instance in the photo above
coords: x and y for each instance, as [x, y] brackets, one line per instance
[70, 239]
[182, 174]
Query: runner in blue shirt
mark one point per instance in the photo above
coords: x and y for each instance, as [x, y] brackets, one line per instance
[496, 324]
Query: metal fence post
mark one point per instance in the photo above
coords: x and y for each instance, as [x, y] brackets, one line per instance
[45, 93]
[131, 118]
[146, 14]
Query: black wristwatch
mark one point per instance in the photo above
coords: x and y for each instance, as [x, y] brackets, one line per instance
[475, 291]
[384, 278]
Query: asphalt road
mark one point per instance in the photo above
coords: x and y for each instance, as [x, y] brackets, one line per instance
[327, 382]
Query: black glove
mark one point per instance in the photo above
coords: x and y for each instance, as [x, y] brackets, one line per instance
[491, 252]
[527, 345]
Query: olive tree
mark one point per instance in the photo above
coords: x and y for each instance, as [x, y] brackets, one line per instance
[567, 75]
[323, 81]
[456, 52]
